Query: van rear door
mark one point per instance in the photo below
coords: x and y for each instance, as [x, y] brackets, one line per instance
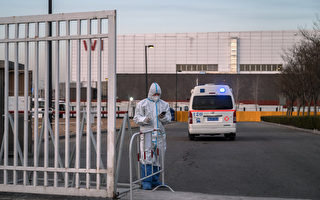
[213, 109]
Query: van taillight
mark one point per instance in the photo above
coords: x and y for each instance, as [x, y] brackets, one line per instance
[190, 117]
[235, 117]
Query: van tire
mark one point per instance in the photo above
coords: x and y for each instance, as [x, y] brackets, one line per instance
[233, 137]
[230, 136]
[191, 136]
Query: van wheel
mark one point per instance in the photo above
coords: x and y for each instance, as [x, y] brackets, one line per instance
[230, 136]
[191, 136]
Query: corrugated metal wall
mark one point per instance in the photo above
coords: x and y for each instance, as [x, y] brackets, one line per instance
[255, 47]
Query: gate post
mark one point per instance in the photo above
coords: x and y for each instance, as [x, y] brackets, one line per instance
[112, 81]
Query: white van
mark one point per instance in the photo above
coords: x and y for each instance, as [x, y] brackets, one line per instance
[212, 111]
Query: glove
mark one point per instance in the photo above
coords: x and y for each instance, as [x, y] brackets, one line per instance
[146, 120]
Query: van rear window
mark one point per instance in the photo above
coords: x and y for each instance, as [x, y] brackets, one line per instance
[212, 102]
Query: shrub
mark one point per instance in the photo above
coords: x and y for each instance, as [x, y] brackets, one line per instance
[308, 122]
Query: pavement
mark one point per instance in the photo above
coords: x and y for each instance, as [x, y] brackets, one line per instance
[148, 195]
[168, 195]
[138, 195]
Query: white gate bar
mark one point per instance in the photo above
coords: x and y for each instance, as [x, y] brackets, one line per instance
[46, 111]
[26, 113]
[56, 17]
[57, 113]
[54, 190]
[111, 103]
[67, 113]
[54, 38]
[52, 169]
[36, 105]
[6, 100]
[16, 95]
[88, 152]
[77, 162]
[99, 108]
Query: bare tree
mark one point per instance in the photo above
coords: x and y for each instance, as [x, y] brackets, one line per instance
[300, 78]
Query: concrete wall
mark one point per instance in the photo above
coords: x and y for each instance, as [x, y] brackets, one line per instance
[247, 88]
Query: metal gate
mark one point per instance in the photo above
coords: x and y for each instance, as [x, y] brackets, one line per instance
[60, 162]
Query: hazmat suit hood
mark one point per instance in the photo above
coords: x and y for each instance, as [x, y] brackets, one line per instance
[154, 88]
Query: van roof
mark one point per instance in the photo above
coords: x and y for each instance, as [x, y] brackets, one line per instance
[212, 89]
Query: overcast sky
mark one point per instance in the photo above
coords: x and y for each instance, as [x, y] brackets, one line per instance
[174, 16]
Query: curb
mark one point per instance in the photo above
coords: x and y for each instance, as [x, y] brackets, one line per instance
[314, 131]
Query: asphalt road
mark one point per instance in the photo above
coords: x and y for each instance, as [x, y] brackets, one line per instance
[265, 160]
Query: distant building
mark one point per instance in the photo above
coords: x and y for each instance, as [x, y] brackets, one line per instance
[245, 60]
[210, 52]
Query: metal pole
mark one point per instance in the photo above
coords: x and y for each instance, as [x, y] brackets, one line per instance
[50, 59]
[67, 135]
[145, 56]
[6, 105]
[26, 89]
[176, 94]
[88, 146]
[78, 115]
[36, 105]
[46, 115]
[99, 107]
[112, 94]
[130, 164]
[16, 96]
[57, 111]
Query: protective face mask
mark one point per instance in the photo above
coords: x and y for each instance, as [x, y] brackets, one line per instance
[155, 98]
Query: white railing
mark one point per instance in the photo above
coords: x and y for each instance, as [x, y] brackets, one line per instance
[157, 155]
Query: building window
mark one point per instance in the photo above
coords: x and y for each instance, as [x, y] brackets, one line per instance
[259, 67]
[205, 68]
[268, 67]
[233, 55]
[197, 68]
[213, 67]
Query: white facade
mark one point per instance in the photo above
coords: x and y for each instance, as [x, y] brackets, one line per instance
[210, 52]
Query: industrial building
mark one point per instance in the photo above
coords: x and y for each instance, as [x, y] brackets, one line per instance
[248, 61]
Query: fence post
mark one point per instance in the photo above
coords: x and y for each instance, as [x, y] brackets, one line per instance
[111, 104]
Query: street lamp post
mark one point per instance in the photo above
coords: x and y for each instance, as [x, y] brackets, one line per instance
[177, 90]
[146, 61]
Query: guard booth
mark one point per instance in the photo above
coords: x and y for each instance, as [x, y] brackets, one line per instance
[67, 157]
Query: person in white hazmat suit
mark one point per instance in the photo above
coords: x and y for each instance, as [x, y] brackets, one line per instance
[151, 113]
